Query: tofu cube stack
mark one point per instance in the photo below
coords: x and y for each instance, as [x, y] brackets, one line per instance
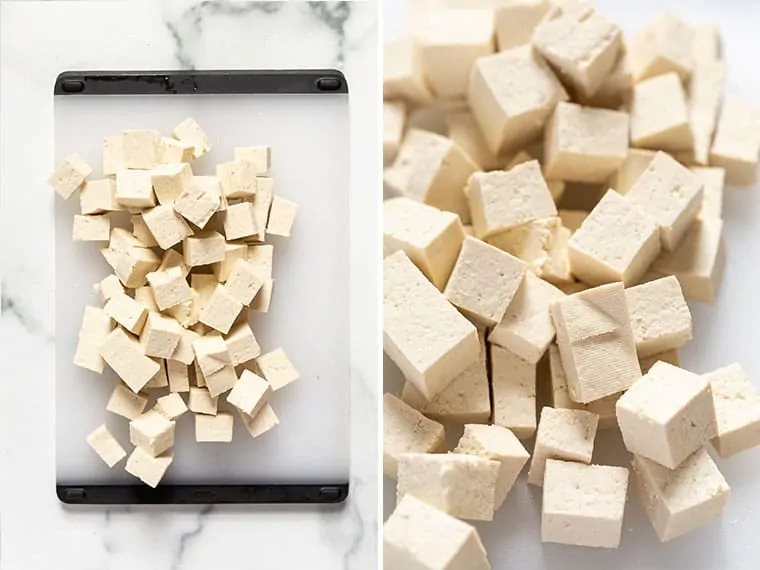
[191, 267]
[541, 241]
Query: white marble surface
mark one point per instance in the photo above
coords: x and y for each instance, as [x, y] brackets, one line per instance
[39, 39]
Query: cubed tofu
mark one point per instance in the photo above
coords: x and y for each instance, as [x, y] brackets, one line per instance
[240, 221]
[516, 20]
[221, 381]
[277, 369]
[450, 41]
[698, 262]
[221, 310]
[258, 157]
[262, 257]
[113, 154]
[166, 225]
[106, 446]
[663, 46]
[417, 535]
[659, 115]
[172, 151]
[660, 317]
[463, 486]
[465, 132]
[214, 429]
[250, 393]
[197, 203]
[189, 131]
[238, 178]
[152, 432]
[737, 410]
[511, 95]
[69, 175]
[232, 252]
[634, 165]
[141, 231]
[96, 326]
[497, 444]
[583, 505]
[432, 169]
[595, 339]
[501, 200]
[160, 379]
[150, 470]
[108, 287]
[242, 344]
[204, 248]
[124, 355]
[618, 241]
[667, 415]
[98, 197]
[513, 388]
[679, 500]
[140, 148]
[580, 43]
[394, 120]
[171, 406]
[261, 423]
[200, 401]
[705, 96]
[713, 181]
[211, 353]
[583, 144]
[125, 403]
[262, 203]
[169, 288]
[562, 434]
[423, 333]
[243, 282]
[91, 228]
[263, 299]
[402, 72]
[282, 216]
[615, 89]
[127, 312]
[134, 188]
[160, 335]
[172, 258]
[130, 259]
[736, 145]
[178, 375]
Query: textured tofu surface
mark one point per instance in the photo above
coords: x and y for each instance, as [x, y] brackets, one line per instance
[405, 430]
[513, 387]
[705, 97]
[402, 72]
[659, 115]
[663, 46]
[633, 166]
[737, 410]
[736, 145]
[106, 446]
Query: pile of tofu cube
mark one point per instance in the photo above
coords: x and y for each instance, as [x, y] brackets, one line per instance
[553, 201]
[189, 263]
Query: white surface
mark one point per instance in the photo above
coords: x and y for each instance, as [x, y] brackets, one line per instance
[37, 41]
[308, 316]
[724, 333]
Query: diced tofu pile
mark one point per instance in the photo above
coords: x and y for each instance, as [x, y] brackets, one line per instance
[562, 210]
[190, 266]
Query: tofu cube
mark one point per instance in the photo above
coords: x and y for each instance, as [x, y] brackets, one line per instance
[516, 20]
[634, 165]
[199, 201]
[106, 446]
[402, 72]
[257, 157]
[250, 393]
[581, 44]
[69, 176]
[221, 310]
[616, 87]
[463, 486]
[130, 259]
[238, 178]
[423, 333]
[497, 96]
[169, 288]
[527, 328]
[737, 410]
[705, 97]
[214, 429]
[497, 444]
[160, 335]
[659, 116]
[697, 262]
[160, 379]
[244, 282]
[450, 41]
[262, 203]
[261, 423]
[127, 312]
[178, 375]
[618, 241]
[465, 132]
[152, 432]
[583, 505]
[262, 257]
[660, 317]
[99, 197]
[562, 434]
[232, 252]
[166, 225]
[713, 181]
[736, 145]
[108, 287]
[172, 151]
[113, 154]
[96, 326]
[502, 200]
[141, 232]
[200, 401]
[140, 148]
[432, 169]
[211, 353]
[242, 344]
[667, 415]
[277, 369]
[204, 248]
[671, 194]
[221, 381]
[484, 281]
[678, 501]
[513, 385]
[417, 535]
[595, 340]
[583, 144]
[190, 132]
[150, 470]
[663, 46]
[171, 406]
[134, 188]
[282, 215]
[125, 356]
[240, 221]
[405, 430]
[394, 119]
[126, 403]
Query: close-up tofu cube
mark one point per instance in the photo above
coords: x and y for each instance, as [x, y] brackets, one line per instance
[663, 46]
[238, 178]
[615, 89]
[671, 194]
[125, 403]
[171, 406]
[141, 231]
[127, 312]
[108, 287]
[232, 252]
[106, 446]
[659, 115]
[678, 501]
[160, 335]
[240, 221]
[211, 353]
[221, 381]
[96, 326]
[150, 470]
[200, 401]
[449, 43]
[630, 170]
[69, 176]
[250, 393]
[463, 486]
[98, 197]
[618, 241]
[595, 340]
[152, 432]
[178, 375]
[262, 202]
[265, 420]
[172, 151]
[705, 96]
[198, 202]
[527, 328]
[581, 44]
[660, 317]
[484, 282]
[465, 132]
[282, 216]
[736, 145]
[170, 181]
[402, 72]
[166, 225]
[134, 188]
[204, 248]
[562, 434]
[497, 444]
[737, 410]
[423, 333]
[169, 288]
[263, 299]
[583, 144]
[571, 513]
[262, 258]
[713, 181]
[394, 121]
[140, 148]
[113, 154]
[258, 157]
[277, 369]
[242, 344]
[515, 21]
[243, 282]
[501, 200]
[189, 131]
[221, 310]
[496, 95]
[432, 169]
[513, 388]
[214, 429]
[667, 415]
[124, 355]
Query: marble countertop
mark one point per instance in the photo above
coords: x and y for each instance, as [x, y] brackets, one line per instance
[38, 40]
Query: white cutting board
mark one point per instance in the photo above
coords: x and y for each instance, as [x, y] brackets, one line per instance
[309, 312]
[725, 332]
